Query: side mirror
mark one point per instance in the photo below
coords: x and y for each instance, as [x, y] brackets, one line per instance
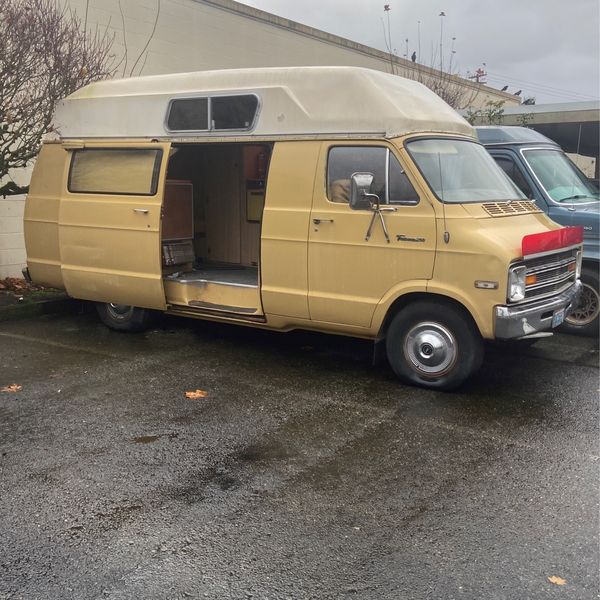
[360, 191]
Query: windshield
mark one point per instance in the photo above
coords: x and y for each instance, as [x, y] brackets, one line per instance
[561, 179]
[460, 171]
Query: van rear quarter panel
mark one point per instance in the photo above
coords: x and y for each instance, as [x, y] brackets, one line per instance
[41, 216]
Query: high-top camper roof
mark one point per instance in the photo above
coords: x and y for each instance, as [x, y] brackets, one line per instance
[294, 102]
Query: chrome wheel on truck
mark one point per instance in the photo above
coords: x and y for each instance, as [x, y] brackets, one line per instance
[584, 317]
[123, 317]
[434, 344]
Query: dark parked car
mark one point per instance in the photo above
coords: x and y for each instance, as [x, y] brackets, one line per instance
[545, 174]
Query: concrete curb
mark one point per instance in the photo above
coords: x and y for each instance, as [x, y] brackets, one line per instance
[60, 305]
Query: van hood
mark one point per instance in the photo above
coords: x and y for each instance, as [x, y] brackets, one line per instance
[505, 229]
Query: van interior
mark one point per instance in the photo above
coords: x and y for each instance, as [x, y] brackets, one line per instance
[211, 222]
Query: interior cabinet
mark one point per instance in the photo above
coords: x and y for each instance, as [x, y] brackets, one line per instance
[178, 210]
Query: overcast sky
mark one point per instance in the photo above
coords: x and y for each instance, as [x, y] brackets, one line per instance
[547, 48]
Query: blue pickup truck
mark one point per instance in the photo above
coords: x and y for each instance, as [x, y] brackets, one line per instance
[544, 173]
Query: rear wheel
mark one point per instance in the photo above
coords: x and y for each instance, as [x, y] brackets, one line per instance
[433, 345]
[123, 317]
[583, 320]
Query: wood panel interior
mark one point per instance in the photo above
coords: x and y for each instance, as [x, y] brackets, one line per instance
[228, 182]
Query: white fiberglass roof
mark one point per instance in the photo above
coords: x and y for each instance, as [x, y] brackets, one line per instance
[295, 101]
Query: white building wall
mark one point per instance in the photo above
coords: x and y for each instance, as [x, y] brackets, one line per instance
[12, 248]
[12, 244]
[194, 35]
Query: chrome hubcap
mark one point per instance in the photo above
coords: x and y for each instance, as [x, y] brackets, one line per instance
[587, 309]
[119, 311]
[430, 349]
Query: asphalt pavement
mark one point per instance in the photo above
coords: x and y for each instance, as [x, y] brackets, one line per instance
[297, 469]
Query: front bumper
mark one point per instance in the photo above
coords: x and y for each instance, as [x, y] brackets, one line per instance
[526, 319]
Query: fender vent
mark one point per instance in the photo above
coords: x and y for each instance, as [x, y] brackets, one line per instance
[516, 207]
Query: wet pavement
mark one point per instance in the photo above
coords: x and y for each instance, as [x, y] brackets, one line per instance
[303, 472]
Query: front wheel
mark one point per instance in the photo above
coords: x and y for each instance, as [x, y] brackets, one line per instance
[583, 319]
[122, 317]
[434, 345]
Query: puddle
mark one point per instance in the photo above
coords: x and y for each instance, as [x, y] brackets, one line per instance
[265, 453]
[146, 439]
[203, 484]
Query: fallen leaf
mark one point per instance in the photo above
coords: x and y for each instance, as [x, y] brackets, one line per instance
[13, 387]
[557, 580]
[196, 394]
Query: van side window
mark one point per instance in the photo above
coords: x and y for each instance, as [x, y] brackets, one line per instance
[343, 161]
[346, 160]
[115, 171]
[401, 189]
[507, 164]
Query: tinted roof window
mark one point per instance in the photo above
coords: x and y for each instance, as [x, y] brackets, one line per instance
[233, 112]
[188, 114]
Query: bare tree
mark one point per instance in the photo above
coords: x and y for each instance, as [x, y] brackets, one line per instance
[446, 83]
[45, 54]
[449, 86]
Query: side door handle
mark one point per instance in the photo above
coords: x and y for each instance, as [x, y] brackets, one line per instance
[142, 211]
[319, 221]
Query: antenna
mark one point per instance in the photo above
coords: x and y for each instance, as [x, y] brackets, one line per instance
[479, 75]
[446, 233]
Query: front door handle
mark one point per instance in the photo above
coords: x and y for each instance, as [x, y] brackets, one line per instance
[143, 211]
[319, 221]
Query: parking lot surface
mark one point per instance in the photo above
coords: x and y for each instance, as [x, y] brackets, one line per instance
[298, 470]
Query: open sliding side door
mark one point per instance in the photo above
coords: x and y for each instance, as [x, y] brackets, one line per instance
[110, 220]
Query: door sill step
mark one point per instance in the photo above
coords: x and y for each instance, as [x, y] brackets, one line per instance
[196, 311]
[205, 282]
[240, 310]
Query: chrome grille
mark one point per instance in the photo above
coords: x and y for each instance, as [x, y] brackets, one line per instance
[554, 273]
[542, 261]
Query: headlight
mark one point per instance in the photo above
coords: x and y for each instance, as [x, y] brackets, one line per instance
[516, 284]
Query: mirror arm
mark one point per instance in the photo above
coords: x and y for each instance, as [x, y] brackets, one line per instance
[374, 196]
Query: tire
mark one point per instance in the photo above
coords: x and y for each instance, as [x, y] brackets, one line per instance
[433, 344]
[583, 320]
[122, 317]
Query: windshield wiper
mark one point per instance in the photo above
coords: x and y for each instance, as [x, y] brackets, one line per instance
[579, 197]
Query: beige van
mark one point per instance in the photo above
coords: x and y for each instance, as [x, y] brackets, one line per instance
[336, 199]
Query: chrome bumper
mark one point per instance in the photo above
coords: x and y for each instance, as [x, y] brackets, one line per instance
[526, 319]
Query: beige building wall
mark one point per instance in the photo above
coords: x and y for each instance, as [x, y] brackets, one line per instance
[194, 35]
